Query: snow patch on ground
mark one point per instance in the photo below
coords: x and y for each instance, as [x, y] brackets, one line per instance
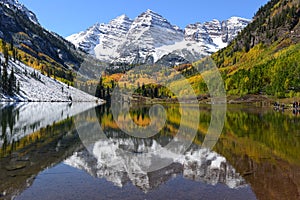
[44, 89]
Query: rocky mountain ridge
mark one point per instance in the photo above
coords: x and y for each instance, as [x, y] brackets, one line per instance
[18, 7]
[150, 36]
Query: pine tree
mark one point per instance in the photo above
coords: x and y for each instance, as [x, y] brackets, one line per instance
[144, 91]
[108, 93]
[6, 56]
[48, 72]
[4, 78]
[11, 45]
[0, 77]
[15, 54]
[18, 87]
[156, 92]
[42, 70]
[113, 85]
[99, 89]
[11, 83]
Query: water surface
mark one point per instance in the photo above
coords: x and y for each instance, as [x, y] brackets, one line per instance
[44, 156]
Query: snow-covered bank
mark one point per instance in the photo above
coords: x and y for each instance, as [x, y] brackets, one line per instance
[43, 88]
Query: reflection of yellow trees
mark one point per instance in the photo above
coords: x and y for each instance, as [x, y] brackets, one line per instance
[141, 121]
[140, 116]
[47, 135]
[107, 121]
[262, 135]
[259, 134]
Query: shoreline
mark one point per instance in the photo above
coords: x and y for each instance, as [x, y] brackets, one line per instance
[256, 100]
[100, 101]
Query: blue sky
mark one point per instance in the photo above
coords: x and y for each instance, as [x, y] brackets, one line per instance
[66, 17]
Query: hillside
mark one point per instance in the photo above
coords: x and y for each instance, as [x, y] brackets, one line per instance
[265, 56]
[32, 85]
[20, 26]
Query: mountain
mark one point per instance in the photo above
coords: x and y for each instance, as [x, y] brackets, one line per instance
[24, 43]
[150, 37]
[20, 26]
[16, 6]
[204, 39]
[39, 47]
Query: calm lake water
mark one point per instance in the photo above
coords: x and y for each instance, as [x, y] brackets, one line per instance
[78, 151]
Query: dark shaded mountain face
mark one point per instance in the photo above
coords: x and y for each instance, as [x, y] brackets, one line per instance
[277, 20]
[20, 26]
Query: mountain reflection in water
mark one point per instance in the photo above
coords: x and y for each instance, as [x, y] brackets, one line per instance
[110, 163]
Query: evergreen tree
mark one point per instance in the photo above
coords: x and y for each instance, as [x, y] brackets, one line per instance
[6, 56]
[108, 93]
[4, 78]
[11, 45]
[48, 72]
[0, 78]
[11, 83]
[156, 92]
[15, 54]
[18, 87]
[99, 89]
[113, 85]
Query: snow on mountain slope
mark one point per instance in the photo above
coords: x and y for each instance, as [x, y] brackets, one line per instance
[88, 39]
[149, 37]
[114, 34]
[102, 39]
[203, 39]
[147, 32]
[232, 27]
[42, 89]
[17, 6]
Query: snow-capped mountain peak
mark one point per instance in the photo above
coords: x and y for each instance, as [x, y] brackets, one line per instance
[150, 17]
[150, 37]
[122, 19]
[234, 25]
[103, 34]
[237, 20]
[16, 5]
[147, 32]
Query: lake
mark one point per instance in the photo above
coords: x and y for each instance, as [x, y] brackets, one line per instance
[87, 151]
